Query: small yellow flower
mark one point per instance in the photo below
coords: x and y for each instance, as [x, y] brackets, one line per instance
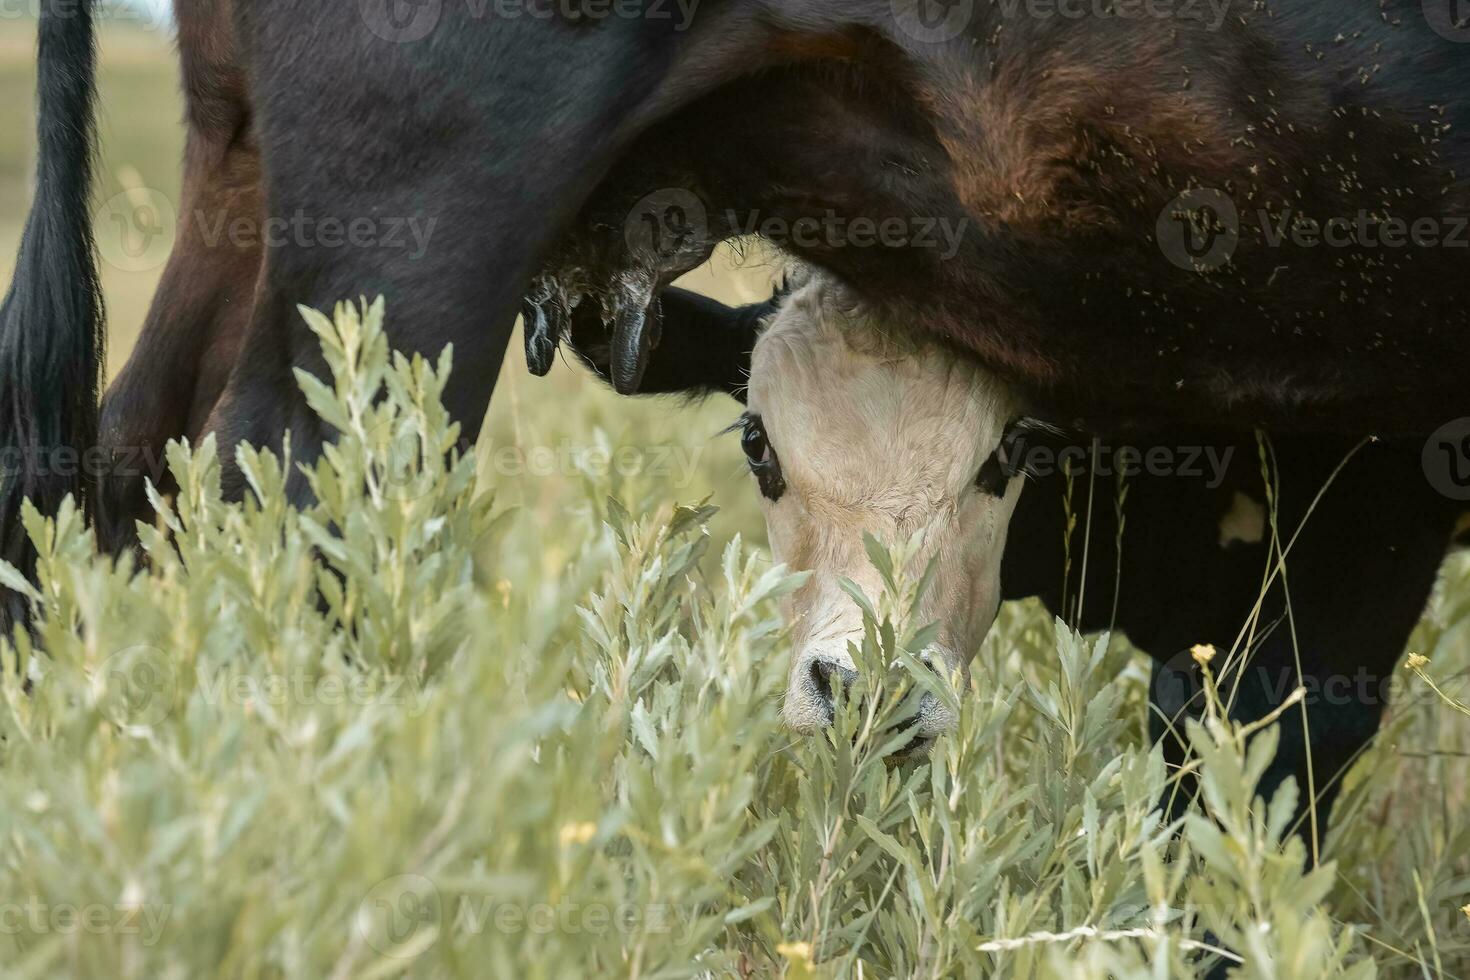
[577, 833]
[797, 953]
[1466, 910]
[1417, 661]
[1203, 653]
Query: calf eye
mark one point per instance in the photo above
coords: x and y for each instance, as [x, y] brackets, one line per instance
[762, 458]
[753, 440]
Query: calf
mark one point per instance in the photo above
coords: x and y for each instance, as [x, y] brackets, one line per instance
[853, 430]
[851, 427]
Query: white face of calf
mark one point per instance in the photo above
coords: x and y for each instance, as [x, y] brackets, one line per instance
[851, 432]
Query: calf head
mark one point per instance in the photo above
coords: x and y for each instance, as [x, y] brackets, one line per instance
[854, 430]
[851, 429]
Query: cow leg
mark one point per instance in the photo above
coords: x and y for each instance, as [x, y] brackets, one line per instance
[1358, 579]
[190, 338]
[440, 289]
[1194, 553]
[195, 325]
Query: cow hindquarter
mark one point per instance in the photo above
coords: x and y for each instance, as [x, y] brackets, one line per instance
[441, 156]
[339, 150]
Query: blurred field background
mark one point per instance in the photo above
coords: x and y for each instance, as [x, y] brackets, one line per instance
[1402, 820]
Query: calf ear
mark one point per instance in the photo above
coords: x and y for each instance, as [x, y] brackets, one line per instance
[703, 345]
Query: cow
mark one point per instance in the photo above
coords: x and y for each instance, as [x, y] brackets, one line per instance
[852, 426]
[1205, 213]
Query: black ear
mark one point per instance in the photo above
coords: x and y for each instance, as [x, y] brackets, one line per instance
[1009, 459]
[704, 346]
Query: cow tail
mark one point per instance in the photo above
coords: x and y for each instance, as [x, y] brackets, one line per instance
[51, 323]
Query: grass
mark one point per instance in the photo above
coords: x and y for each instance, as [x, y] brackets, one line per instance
[545, 741]
[532, 730]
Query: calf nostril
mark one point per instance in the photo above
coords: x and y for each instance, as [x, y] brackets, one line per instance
[824, 677]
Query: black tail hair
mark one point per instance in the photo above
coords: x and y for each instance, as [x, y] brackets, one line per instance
[51, 323]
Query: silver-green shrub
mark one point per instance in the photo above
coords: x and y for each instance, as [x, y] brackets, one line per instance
[341, 743]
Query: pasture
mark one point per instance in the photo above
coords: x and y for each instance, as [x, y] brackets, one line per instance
[534, 728]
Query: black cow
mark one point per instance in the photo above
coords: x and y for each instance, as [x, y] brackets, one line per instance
[1130, 192]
